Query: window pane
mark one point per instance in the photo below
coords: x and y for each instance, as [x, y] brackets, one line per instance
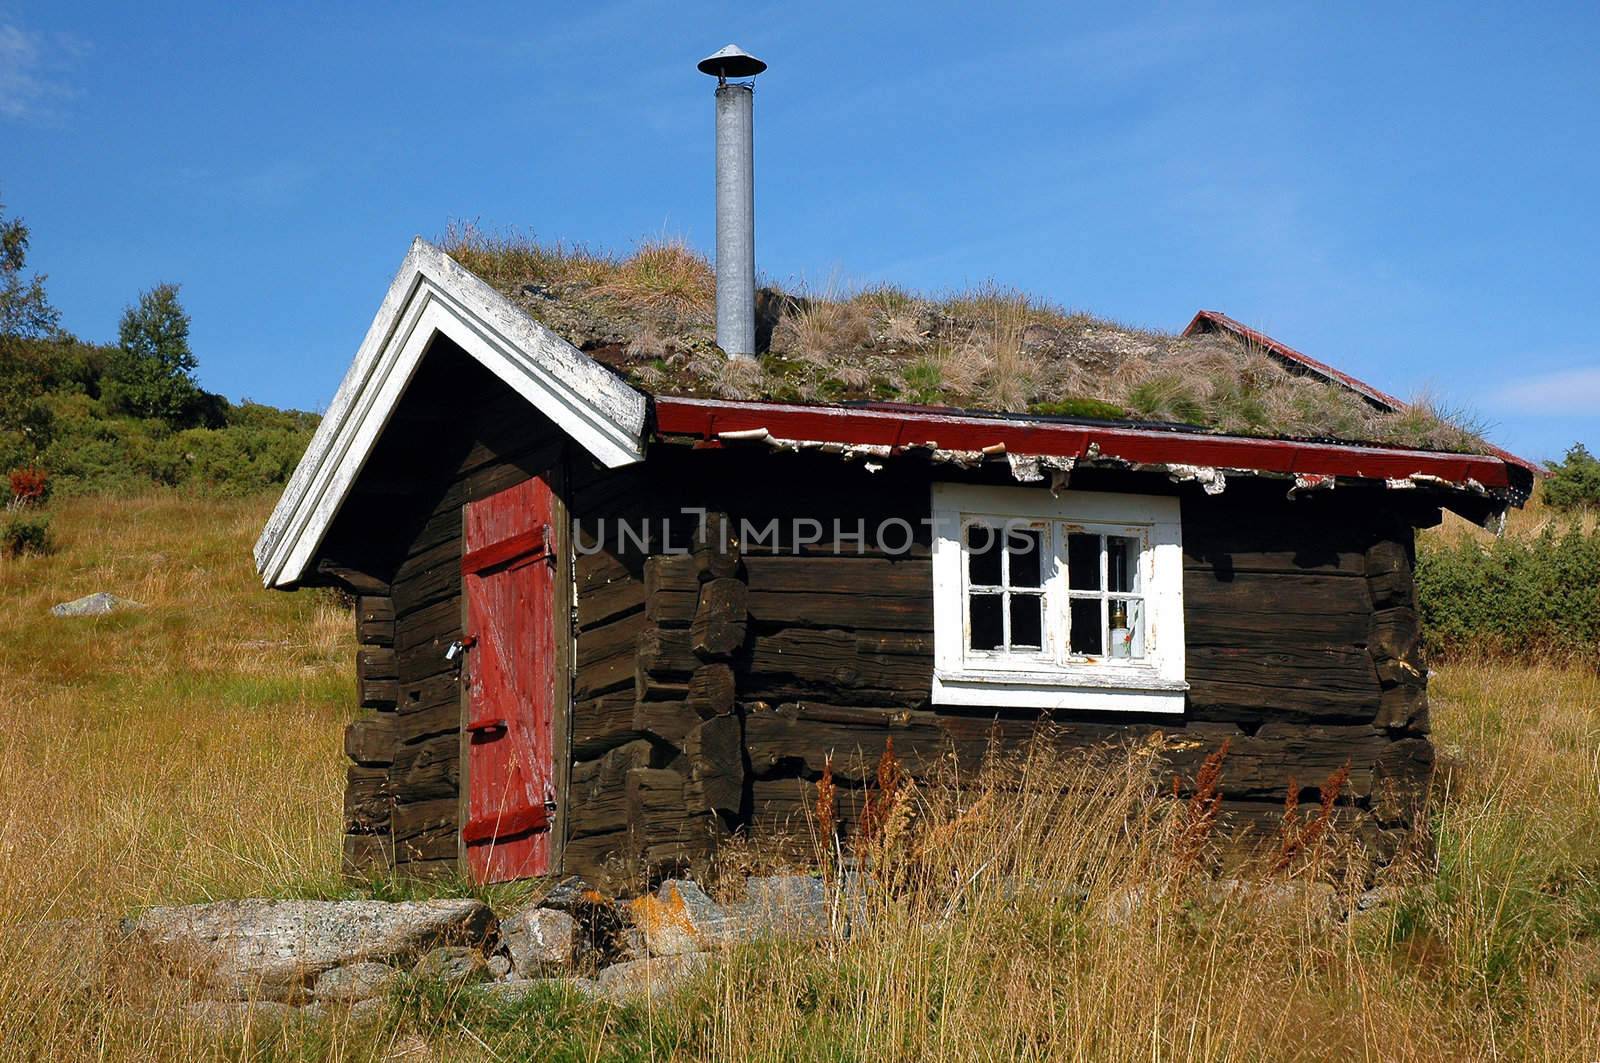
[1086, 632]
[1027, 627]
[1083, 561]
[1026, 547]
[1122, 562]
[983, 555]
[1127, 628]
[987, 633]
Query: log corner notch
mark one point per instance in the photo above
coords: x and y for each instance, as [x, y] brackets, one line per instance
[684, 700]
[369, 739]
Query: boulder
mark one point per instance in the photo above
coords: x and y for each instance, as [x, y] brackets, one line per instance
[453, 965]
[655, 978]
[264, 949]
[499, 966]
[97, 604]
[229, 1016]
[540, 941]
[520, 989]
[354, 982]
[679, 919]
[786, 906]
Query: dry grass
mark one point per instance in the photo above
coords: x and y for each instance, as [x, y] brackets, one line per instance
[1047, 908]
[650, 315]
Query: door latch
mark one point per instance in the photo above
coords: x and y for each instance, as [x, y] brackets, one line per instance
[460, 646]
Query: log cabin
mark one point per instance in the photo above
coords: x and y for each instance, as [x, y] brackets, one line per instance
[609, 618]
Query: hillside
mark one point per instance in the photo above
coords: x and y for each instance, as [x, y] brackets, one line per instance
[59, 410]
[191, 750]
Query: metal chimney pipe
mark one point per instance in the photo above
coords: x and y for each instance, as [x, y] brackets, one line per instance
[736, 221]
[736, 199]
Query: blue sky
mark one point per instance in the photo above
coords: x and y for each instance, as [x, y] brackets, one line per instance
[1405, 191]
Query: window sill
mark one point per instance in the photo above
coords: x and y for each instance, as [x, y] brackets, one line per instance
[1129, 691]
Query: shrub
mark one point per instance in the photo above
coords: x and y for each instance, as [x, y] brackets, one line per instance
[1535, 598]
[30, 486]
[26, 533]
[1574, 481]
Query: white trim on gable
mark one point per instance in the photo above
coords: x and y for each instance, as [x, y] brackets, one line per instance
[433, 295]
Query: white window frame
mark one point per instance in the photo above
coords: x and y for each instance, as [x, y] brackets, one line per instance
[1054, 678]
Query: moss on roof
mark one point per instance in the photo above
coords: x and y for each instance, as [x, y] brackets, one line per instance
[650, 316]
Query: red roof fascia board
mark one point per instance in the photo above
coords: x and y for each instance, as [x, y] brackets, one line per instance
[708, 419]
[1324, 370]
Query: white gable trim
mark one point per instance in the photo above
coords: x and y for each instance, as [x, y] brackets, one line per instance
[433, 295]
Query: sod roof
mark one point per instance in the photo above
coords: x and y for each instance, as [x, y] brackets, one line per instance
[650, 317]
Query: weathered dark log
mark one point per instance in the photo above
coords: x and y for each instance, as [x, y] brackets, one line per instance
[599, 724]
[369, 739]
[804, 661]
[861, 610]
[672, 589]
[609, 602]
[715, 754]
[367, 854]
[720, 619]
[716, 547]
[666, 653]
[428, 769]
[669, 721]
[712, 690]
[375, 620]
[366, 800]
[610, 639]
[598, 799]
[425, 830]
[1396, 633]
[433, 627]
[881, 577]
[352, 579]
[662, 827]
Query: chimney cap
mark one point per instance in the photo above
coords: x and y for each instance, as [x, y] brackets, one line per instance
[731, 61]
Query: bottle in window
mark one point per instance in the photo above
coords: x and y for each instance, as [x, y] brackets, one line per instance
[1121, 636]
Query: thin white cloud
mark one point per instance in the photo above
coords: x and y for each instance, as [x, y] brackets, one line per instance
[1569, 391]
[34, 69]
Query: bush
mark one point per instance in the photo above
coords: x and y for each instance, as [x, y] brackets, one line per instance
[30, 486]
[26, 533]
[1574, 481]
[1535, 598]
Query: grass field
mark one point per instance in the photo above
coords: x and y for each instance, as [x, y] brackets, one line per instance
[190, 750]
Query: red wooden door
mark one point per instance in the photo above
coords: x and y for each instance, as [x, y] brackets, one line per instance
[508, 567]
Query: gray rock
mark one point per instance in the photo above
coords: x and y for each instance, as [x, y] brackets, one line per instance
[453, 964]
[98, 604]
[786, 906]
[679, 919]
[540, 941]
[520, 989]
[1379, 897]
[365, 1014]
[354, 982]
[499, 966]
[655, 978]
[262, 949]
[228, 1016]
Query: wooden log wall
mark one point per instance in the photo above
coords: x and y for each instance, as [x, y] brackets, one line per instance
[1303, 655]
[722, 662]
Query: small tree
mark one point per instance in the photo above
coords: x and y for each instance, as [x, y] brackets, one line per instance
[1574, 481]
[152, 373]
[24, 311]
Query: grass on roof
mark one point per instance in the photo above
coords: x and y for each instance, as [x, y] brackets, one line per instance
[650, 315]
